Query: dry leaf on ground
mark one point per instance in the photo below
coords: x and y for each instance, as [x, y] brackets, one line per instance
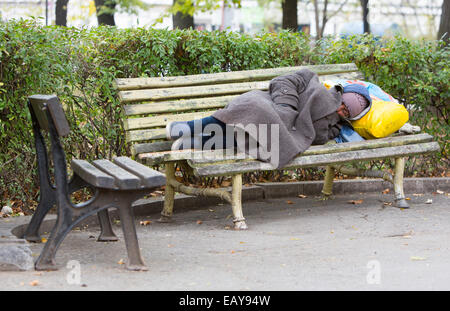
[355, 201]
[34, 283]
[145, 222]
[386, 191]
[289, 202]
[417, 258]
[302, 196]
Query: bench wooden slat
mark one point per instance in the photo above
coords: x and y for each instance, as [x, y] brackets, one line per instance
[177, 105]
[191, 91]
[316, 160]
[157, 146]
[149, 177]
[92, 175]
[234, 76]
[162, 120]
[209, 156]
[144, 135]
[124, 179]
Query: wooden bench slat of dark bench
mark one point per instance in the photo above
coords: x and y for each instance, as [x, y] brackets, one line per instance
[206, 169]
[124, 179]
[148, 176]
[93, 175]
[227, 77]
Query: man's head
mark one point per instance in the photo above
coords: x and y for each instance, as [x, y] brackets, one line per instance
[355, 99]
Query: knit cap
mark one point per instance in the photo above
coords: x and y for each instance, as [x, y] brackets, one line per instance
[356, 98]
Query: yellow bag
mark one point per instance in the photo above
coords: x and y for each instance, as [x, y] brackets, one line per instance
[383, 119]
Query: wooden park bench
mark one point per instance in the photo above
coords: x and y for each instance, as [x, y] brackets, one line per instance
[114, 184]
[150, 103]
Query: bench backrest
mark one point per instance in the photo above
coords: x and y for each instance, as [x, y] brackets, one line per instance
[39, 104]
[150, 103]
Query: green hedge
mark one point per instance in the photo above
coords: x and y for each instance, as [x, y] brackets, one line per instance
[79, 65]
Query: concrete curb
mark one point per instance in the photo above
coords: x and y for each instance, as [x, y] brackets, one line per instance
[260, 191]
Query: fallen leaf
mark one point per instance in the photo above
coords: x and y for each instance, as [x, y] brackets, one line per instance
[233, 252]
[387, 203]
[355, 201]
[289, 202]
[417, 258]
[121, 261]
[417, 194]
[43, 240]
[199, 222]
[295, 239]
[241, 242]
[302, 196]
[34, 283]
[407, 199]
[169, 245]
[145, 222]
[386, 191]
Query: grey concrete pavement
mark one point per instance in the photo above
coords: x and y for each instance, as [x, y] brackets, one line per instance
[292, 244]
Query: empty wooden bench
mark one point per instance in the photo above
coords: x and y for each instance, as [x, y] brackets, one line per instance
[114, 184]
[150, 103]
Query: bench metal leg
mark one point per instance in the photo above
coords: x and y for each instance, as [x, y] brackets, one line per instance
[398, 183]
[327, 189]
[46, 260]
[69, 216]
[236, 203]
[169, 194]
[47, 201]
[136, 263]
[107, 234]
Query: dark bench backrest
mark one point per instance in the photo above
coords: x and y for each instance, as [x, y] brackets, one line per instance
[150, 103]
[40, 103]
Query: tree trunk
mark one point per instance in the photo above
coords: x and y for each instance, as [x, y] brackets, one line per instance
[365, 10]
[105, 18]
[61, 12]
[444, 26]
[180, 20]
[289, 15]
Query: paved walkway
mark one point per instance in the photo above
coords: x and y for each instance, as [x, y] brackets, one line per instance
[292, 244]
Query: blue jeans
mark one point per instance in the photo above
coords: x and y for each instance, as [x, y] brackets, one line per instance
[207, 136]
